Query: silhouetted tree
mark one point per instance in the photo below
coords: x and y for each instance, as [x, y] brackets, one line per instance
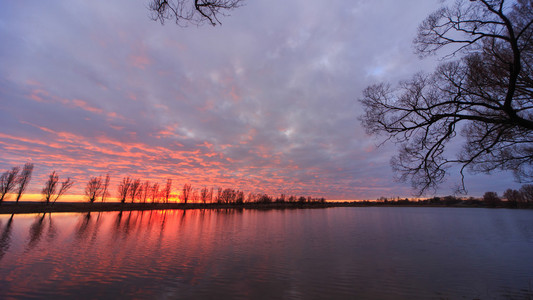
[219, 195]
[239, 197]
[50, 186]
[23, 179]
[65, 186]
[186, 192]
[203, 195]
[228, 196]
[281, 198]
[194, 12]
[155, 193]
[105, 187]
[167, 190]
[487, 92]
[8, 181]
[194, 196]
[135, 189]
[264, 198]
[94, 188]
[451, 200]
[491, 199]
[124, 188]
[513, 197]
[50, 190]
[145, 190]
[527, 193]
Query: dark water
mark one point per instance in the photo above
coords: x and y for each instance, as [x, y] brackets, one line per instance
[335, 253]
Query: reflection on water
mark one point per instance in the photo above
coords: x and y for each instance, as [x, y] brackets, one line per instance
[36, 230]
[370, 253]
[5, 239]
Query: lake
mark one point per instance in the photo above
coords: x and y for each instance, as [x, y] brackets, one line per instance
[334, 253]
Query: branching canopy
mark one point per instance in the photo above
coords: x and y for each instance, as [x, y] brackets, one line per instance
[483, 90]
[195, 12]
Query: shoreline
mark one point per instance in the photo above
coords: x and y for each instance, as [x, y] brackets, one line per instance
[81, 207]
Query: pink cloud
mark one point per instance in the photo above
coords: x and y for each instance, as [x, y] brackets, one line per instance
[38, 94]
[139, 61]
[84, 105]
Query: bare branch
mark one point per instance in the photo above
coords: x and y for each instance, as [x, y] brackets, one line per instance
[195, 12]
[8, 181]
[24, 179]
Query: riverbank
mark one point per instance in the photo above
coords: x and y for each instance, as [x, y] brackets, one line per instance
[39, 207]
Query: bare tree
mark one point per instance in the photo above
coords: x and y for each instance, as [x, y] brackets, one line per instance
[194, 196]
[105, 187]
[50, 187]
[513, 197]
[281, 198]
[250, 197]
[239, 197]
[135, 189]
[155, 193]
[94, 188]
[8, 182]
[219, 195]
[50, 190]
[228, 195]
[203, 195]
[195, 12]
[264, 198]
[145, 190]
[24, 179]
[65, 186]
[486, 94]
[167, 190]
[527, 193]
[186, 192]
[491, 199]
[124, 188]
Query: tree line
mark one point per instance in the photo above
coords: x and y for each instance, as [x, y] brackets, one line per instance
[135, 190]
[511, 198]
[16, 180]
[520, 198]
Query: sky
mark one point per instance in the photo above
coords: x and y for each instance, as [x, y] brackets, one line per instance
[267, 102]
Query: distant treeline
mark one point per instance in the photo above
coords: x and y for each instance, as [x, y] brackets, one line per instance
[522, 198]
[136, 190]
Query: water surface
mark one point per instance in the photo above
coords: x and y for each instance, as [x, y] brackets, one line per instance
[370, 253]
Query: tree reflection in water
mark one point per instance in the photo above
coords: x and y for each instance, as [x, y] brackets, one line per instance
[51, 233]
[36, 231]
[81, 229]
[5, 238]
